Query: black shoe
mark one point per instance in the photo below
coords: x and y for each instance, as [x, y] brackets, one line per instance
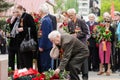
[118, 70]
[95, 70]
[85, 78]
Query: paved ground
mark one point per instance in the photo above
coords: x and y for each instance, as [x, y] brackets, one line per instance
[94, 76]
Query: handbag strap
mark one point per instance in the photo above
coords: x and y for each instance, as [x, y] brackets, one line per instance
[29, 33]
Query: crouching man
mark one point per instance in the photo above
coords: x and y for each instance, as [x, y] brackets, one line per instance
[74, 53]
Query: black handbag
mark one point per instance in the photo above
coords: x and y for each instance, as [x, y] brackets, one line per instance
[28, 45]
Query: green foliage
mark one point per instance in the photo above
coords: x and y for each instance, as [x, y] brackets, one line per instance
[106, 6]
[63, 5]
[71, 4]
[4, 5]
[59, 5]
[118, 44]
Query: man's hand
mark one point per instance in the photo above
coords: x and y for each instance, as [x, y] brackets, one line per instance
[20, 29]
[74, 35]
[57, 71]
[41, 49]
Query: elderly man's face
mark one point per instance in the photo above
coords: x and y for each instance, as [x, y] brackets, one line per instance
[116, 18]
[72, 16]
[91, 18]
[56, 40]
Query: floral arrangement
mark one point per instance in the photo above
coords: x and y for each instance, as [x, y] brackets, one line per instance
[102, 33]
[64, 26]
[36, 18]
[31, 74]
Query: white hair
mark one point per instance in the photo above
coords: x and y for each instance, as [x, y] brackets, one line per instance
[54, 34]
[44, 8]
[106, 14]
[72, 10]
[91, 15]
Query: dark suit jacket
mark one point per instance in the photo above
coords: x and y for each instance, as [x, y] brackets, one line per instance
[54, 21]
[74, 52]
[92, 40]
[28, 22]
[46, 28]
[82, 25]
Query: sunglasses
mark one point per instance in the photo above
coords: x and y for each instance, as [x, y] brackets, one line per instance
[107, 21]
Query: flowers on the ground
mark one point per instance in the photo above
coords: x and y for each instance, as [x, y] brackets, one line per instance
[31, 74]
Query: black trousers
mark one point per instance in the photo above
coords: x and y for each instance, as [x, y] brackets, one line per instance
[44, 61]
[26, 59]
[73, 72]
[11, 56]
[3, 49]
[118, 58]
[93, 59]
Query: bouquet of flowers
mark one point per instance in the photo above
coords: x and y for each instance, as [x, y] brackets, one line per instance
[64, 26]
[36, 18]
[102, 33]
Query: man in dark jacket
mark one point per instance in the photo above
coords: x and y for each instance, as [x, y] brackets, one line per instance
[94, 56]
[74, 53]
[44, 60]
[54, 21]
[79, 29]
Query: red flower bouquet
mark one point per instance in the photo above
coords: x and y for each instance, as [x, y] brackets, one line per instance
[102, 33]
[64, 26]
[36, 18]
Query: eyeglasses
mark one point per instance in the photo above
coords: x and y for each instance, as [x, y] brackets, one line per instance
[107, 21]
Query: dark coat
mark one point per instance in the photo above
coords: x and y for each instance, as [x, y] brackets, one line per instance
[28, 21]
[46, 28]
[82, 25]
[92, 40]
[75, 52]
[54, 21]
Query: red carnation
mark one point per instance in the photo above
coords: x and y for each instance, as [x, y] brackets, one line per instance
[36, 20]
[65, 24]
[102, 25]
[8, 20]
[107, 32]
[56, 76]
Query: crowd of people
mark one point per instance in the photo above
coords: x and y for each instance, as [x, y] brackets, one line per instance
[74, 35]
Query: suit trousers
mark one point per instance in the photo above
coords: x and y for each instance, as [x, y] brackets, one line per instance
[44, 61]
[26, 59]
[12, 53]
[85, 69]
[73, 72]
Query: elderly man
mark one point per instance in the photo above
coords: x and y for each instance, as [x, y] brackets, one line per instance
[79, 29]
[44, 60]
[94, 57]
[74, 53]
